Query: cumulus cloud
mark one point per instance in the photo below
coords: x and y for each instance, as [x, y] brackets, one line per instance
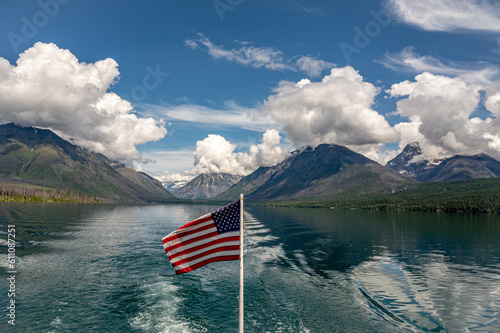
[492, 102]
[336, 110]
[410, 61]
[447, 15]
[259, 57]
[377, 153]
[269, 152]
[439, 109]
[215, 154]
[50, 88]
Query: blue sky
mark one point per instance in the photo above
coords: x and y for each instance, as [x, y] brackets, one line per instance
[211, 77]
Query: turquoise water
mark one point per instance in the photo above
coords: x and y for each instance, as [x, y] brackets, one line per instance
[101, 268]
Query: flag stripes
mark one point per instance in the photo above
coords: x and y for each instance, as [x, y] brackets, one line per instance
[227, 251]
[193, 267]
[194, 249]
[210, 238]
[189, 228]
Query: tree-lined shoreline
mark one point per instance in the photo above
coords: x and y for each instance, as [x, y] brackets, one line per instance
[11, 192]
[463, 196]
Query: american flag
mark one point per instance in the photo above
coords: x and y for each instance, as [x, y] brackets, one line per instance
[212, 237]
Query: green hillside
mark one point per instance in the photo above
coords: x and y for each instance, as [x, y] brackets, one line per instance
[39, 157]
[472, 195]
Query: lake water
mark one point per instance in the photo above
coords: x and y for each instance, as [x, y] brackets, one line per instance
[102, 268]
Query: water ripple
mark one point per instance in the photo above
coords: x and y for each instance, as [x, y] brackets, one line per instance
[437, 296]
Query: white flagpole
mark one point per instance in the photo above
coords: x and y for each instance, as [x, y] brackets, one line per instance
[242, 233]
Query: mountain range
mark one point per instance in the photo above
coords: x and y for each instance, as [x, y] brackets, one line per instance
[325, 171]
[410, 162]
[206, 186]
[39, 157]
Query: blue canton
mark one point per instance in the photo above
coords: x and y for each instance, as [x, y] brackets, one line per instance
[227, 218]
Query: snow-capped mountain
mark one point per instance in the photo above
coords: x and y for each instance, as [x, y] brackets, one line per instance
[411, 161]
[206, 186]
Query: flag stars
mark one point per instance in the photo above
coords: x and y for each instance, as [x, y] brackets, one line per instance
[227, 218]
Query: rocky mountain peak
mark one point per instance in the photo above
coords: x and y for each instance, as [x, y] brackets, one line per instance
[206, 185]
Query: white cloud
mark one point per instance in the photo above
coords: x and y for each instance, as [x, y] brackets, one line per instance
[439, 109]
[493, 141]
[336, 110]
[232, 116]
[410, 132]
[50, 88]
[313, 66]
[215, 154]
[448, 15]
[269, 152]
[377, 153]
[191, 44]
[492, 102]
[259, 57]
[410, 61]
